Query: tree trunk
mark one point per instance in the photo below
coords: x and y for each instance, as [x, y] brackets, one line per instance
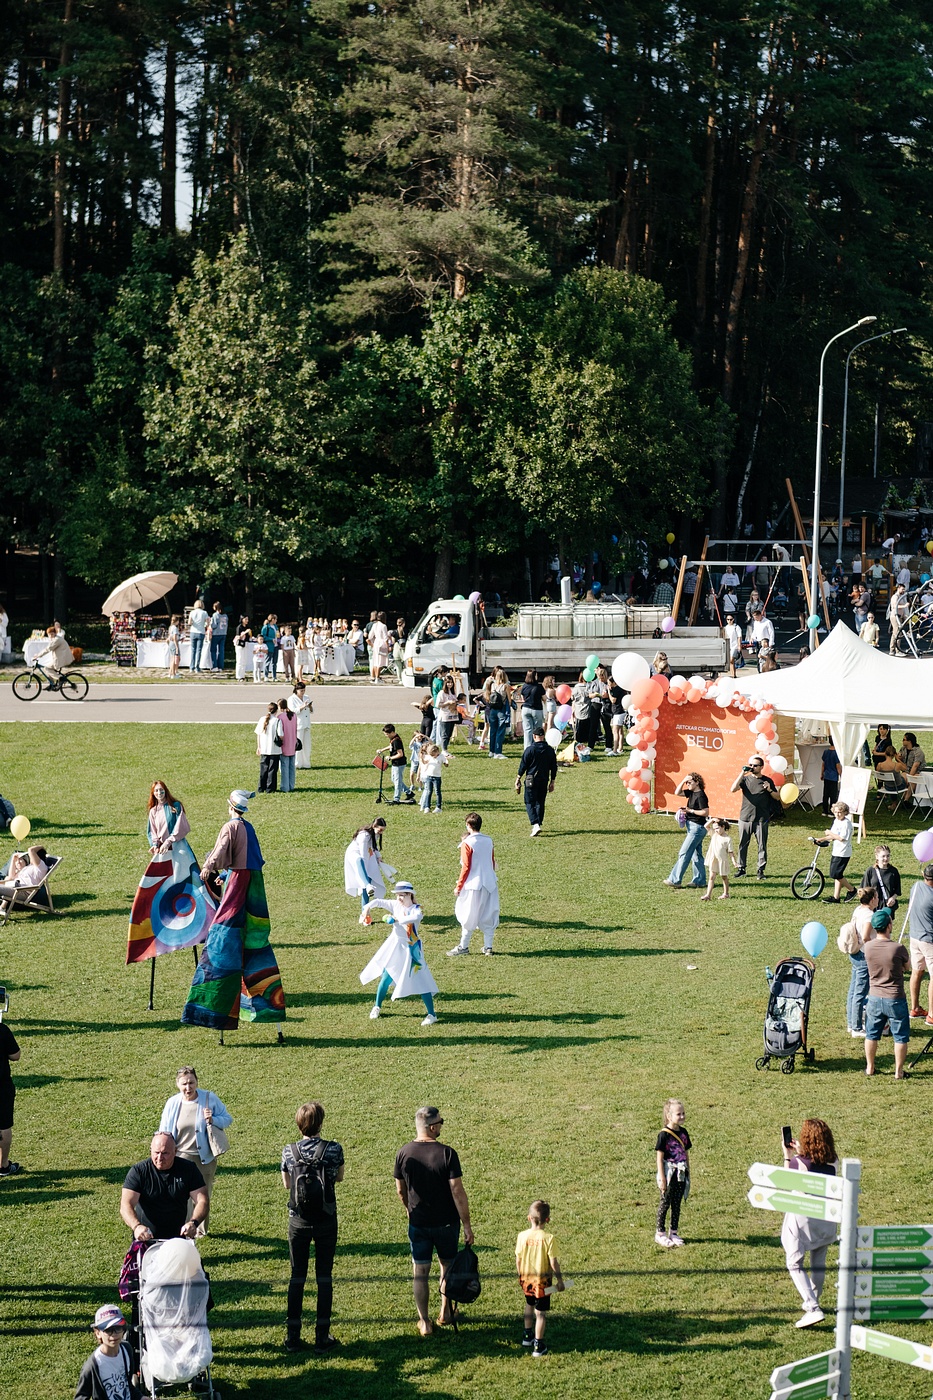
[248, 599]
[706, 208]
[443, 571]
[63, 119]
[746, 226]
[59, 589]
[167, 217]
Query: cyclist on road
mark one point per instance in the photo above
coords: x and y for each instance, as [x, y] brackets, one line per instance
[56, 657]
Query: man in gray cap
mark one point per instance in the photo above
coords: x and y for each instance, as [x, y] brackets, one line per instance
[886, 1005]
[429, 1184]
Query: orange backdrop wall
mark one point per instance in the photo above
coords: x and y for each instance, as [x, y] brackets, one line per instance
[716, 743]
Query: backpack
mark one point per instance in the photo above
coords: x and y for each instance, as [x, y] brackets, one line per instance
[7, 813]
[461, 1282]
[311, 1195]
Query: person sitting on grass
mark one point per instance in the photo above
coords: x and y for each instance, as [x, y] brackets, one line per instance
[107, 1373]
[841, 834]
[538, 1266]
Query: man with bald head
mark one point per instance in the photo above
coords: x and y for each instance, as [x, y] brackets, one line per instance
[157, 1191]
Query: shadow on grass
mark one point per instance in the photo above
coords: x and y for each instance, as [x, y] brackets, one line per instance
[359, 998]
[93, 1027]
[39, 1081]
[600, 952]
[511, 1044]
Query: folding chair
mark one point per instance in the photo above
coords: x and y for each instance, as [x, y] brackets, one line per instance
[804, 800]
[886, 789]
[38, 897]
[922, 801]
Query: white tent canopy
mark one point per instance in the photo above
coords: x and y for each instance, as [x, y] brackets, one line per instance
[852, 686]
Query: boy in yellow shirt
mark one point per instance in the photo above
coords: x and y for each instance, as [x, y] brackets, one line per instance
[537, 1264]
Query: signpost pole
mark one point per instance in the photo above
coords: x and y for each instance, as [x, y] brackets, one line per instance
[845, 1301]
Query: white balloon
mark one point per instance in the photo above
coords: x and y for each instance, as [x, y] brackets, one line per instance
[634, 761]
[678, 683]
[628, 668]
[651, 753]
[632, 738]
[779, 763]
[774, 747]
[554, 738]
[696, 683]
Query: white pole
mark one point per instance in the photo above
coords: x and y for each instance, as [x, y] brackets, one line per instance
[845, 1292]
[815, 594]
[901, 330]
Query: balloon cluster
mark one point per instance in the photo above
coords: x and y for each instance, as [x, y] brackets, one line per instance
[643, 703]
[555, 734]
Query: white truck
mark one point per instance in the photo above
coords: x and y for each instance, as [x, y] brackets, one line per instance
[551, 638]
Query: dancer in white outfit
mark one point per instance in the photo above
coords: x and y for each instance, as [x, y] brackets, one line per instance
[477, 888]
[300, 705]
[364, 870]
[401, 958]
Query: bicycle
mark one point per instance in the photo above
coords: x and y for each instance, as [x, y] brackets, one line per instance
[28, 685]
[809, 881]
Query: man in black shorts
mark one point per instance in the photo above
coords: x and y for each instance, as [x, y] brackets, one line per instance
[156, 1192]
[9, 1054]
[428, 1181]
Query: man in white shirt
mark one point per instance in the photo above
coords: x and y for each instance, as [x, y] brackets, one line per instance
[25, 871]
[903, 576]
[762, 630]
[887, 546]
[197, 627]
[733, 635]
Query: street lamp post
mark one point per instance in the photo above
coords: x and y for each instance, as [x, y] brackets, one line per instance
[815, 556]
[901, 330]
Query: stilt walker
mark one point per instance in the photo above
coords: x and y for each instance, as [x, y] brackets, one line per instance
[238, 974]
[400, 960]
[477, 889]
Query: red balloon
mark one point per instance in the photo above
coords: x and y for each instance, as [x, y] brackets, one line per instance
[778, 779]
[563, 694]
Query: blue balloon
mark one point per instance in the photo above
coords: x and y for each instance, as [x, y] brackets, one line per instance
[924, 578]
[561, 724]
[813, 621]
[814, 938]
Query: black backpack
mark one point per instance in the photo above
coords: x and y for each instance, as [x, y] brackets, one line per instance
[312, 1195]
[7, 813]
[461, 1282]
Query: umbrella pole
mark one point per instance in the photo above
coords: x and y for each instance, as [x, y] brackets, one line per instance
[151, 983]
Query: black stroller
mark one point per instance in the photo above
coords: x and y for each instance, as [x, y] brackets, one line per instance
[788, 1014]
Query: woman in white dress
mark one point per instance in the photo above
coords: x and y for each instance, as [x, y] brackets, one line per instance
[364, 870]
[4, 630]
[300, 705]
[379, 647]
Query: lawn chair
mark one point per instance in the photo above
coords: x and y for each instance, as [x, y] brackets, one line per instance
[38, 897]
[922, 802]
[886, 789]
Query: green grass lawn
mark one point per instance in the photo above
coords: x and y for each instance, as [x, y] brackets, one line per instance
[550, 1063]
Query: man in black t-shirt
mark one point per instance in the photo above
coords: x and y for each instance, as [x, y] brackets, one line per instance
[156, 1194]
[758, 793]
[398, 759]
[9, 1054]
[539, 769]
[428, 1181]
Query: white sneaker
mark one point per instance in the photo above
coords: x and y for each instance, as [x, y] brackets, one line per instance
[457, 952]
[429, 1020]
[535, 829]
[487, 952]
[663, 1239]
[857, 1035]
[375, 1013]
[811, 1316]
[675, 1239]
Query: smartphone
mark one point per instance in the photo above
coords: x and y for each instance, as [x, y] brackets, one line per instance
[787, 1135]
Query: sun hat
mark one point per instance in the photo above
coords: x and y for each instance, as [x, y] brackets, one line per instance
[404, 887]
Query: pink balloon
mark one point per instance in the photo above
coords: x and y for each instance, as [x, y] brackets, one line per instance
[668, 624]
[923, 846]
[693, 695]
[647, 695]
[663, 682]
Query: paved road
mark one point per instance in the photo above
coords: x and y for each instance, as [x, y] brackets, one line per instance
[211, 704]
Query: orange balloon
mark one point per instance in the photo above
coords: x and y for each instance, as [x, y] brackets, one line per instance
[663, 682]
[647, 695]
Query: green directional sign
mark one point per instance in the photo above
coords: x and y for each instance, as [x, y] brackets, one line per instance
[810, 1368]
[894, 1236]
[907, 1309]
[894, 1348]
[894, 1286]
[810, 1183]
[897, 1261]
[810, 1390]
[764, 1198]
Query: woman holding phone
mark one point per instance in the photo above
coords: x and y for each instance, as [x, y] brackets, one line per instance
[813, 1151]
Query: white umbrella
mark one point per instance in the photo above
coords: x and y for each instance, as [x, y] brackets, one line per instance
[137, 592]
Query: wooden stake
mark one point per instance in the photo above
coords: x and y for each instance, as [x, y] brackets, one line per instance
[700, 571]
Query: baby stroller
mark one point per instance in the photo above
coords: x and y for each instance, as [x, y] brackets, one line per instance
[788, 1014]
[174, 1340]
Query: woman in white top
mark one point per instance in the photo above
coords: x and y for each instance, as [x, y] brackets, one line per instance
[4, 630]
[378, 640]
[301, 706]
[267, 731]
[187, 1115]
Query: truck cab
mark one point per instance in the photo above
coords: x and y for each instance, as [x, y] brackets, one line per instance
[442, 637]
